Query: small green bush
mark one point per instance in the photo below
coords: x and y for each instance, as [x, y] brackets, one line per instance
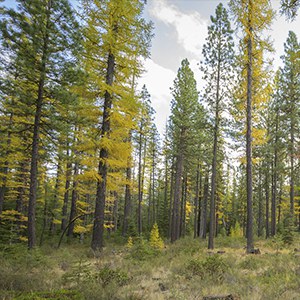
[107, 276]
[212, 267]
[141, 250]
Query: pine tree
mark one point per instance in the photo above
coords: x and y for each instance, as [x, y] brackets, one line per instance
[217, 67]
[289, 81]
[183, 116]
[42, 34]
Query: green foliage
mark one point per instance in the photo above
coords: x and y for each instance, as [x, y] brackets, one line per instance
[108, 276]
[236, 231]
[142, 250]
[287, 233]
[213, 267]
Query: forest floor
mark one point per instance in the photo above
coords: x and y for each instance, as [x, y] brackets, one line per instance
[183, 270]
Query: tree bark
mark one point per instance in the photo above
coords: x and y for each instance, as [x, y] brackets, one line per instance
[175, 227]
[5, 169]
[98, 229]
[212, 219]
[196, 201]
[73, 210]
[260, 205]
[267, 202]
[66, 193]
[203, 218]
[127, 205]
[36, 138]
[250, 243]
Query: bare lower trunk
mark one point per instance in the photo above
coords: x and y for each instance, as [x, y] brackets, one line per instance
[250, 243]
[98, 229]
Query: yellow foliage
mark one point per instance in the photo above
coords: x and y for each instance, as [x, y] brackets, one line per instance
[80, 229]
[155, 240]
[129, 242]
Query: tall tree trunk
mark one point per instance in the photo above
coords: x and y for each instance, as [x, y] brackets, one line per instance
[98, 229]
[196, 201]
[250, 243]
[172, 182]
[66, 193]
[203, 218]
[212, 216]
[36, 139]
[56, 195]
[5, 169]
[274, 187]
[260, 205]
[127, 205]
[267, 202]
[292, 175]
[73, 210]
[115, 212]
[175, 226]
[153, 189]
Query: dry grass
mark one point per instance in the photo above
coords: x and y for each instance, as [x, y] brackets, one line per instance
[118, 273]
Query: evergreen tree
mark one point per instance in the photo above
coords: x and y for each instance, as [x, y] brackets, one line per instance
[217, 67]
[42, 34]
[183, 120]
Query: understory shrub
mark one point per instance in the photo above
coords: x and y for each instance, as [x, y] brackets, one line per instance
[213, 267]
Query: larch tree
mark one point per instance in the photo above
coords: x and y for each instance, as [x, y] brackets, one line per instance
[217, 68]
[116, 36]
[254, 17]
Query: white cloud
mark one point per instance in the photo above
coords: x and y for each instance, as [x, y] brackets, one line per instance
[189, 27]
[158, 81]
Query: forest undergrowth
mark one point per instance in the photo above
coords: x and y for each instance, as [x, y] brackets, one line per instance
[183, 270]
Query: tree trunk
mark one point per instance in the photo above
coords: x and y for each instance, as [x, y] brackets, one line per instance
[56, 195]
[127, 205]
[36, 140]
[5, 169]
[212, 216]
[66, 193]
[196, 201]
[260, 205]
[274, 187]
[98, 229]
[172, 182]
[175, 227]
[203, 218]
[73, 210]
[267, 202]
[250, 243]
[292, 175]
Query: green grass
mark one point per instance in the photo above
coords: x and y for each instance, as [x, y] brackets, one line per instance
[183, 270]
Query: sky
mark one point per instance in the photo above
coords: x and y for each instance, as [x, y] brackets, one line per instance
[180, 32]
[180, 28]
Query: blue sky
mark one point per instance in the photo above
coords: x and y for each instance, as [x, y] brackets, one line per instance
[180, 31]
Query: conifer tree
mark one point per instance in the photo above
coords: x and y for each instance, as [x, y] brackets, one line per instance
[290, 82]
[253, 17]
[116, 36]
[42, 33]
[217, 67]
[183, 119]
